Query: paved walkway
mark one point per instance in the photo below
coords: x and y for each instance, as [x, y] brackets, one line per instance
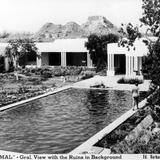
[110, 82]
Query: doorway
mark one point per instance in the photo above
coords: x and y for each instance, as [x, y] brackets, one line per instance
[120, 63]
[54, 58]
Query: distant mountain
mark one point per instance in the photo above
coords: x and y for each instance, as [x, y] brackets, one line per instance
[49, 32]
[98, 25]
[72, 30]
[94, 25]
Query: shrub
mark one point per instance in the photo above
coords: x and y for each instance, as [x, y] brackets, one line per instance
[35, 80]
[73, 70]
[64, 71]
[102, 72]
[87, 74]
[58, 71]
[130, 81]
[46, 74]
[25, 71]
[22, 89]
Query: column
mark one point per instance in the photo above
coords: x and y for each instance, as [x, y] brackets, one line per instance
[39, 59]
[127, 65]
[135, 64]
[63, 59]
[110, 70]
[109, 63]
[89, 61]
[6, 63]
[132, 65]
[112, 62]
[140, 65]
[138, 59]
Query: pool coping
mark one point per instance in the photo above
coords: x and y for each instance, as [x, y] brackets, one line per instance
[34, 98]
[86, 147]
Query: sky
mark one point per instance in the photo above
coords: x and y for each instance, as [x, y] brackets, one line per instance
[31, 15]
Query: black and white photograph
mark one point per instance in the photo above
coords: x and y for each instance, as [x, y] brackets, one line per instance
[80, 79]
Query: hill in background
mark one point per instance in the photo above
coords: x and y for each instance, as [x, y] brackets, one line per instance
[94, 25]
[49, 32]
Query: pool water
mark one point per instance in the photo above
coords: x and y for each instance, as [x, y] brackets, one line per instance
[58, 123]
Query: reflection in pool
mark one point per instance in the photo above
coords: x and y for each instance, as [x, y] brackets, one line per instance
[60, 122]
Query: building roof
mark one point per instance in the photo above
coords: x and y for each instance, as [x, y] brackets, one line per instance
[63, 45]
[141, 49]
[78, 45]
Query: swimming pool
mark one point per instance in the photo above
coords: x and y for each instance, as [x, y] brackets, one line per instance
[58, 123]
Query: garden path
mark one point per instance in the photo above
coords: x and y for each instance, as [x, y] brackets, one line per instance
[110, 83]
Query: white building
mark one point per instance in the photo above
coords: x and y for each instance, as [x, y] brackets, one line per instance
[63, 52]
[124, 61]
[72, 52]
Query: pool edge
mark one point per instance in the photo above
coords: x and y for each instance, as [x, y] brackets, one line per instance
[3, 108]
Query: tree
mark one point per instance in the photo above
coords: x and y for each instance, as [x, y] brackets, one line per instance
[151, 63]
[97, 46]
[17, 48]
[129, 34]
[151, 16]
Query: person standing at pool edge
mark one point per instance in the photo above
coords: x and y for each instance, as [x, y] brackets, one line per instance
[135, 95]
